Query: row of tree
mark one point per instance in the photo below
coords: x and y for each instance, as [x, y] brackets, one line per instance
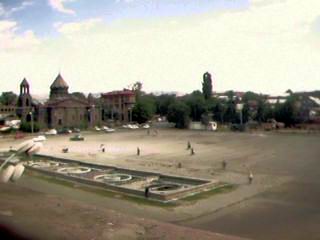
[202, 106]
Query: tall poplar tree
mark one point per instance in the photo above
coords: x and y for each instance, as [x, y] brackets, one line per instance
[207, 86]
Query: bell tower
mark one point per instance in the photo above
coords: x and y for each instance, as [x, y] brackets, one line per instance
[24, 101]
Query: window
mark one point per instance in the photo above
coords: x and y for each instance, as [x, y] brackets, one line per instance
[60, 121]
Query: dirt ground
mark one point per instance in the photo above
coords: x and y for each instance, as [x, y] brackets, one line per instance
[43, 216]
[277, 160]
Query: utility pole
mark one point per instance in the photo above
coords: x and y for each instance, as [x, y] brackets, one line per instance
[32, 122]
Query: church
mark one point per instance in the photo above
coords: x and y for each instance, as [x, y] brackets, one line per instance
[62, 109]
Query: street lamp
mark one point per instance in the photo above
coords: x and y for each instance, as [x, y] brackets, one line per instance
[31, 115]
[130, 113]
[239, 108]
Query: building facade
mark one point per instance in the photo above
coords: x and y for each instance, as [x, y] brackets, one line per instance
[118, 105]
[61, 110]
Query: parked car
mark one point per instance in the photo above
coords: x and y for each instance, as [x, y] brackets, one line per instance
[64, 131]
[51, 132]
[77, 137]
[146, 126]
[40, 138]
[109, 130]
[238, 127]
[76, 130]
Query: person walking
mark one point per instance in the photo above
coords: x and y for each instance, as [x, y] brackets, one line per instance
[224, 164]
[250, 177]
[192, 151]
[188, 145]
[146, 192]
[138, 151]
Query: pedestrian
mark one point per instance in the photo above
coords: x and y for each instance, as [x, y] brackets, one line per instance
[103, 149]
[138, 151]
[188, 145]
[224, 164]
[146, 192]
[250, 177]
[192, 151]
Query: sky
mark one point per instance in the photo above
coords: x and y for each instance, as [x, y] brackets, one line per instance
[265, 46]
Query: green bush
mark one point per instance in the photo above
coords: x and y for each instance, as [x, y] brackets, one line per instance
[26, 127]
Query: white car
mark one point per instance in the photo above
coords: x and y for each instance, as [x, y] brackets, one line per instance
[40, 138]
[97, 128]
[109, 130]
[51, 132]
[146, 126]
[5, 129]
[133, 126]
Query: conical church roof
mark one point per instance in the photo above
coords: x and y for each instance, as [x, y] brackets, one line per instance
[24, 82]
[59, 83]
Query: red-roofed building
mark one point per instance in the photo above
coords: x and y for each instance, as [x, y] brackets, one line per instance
[117, 105]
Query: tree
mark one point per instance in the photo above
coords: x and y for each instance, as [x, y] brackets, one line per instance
[230, 94]
[137, 88]
[163, 102]
[248, 96]
[245, 113]
[178, 113]
[287, 112]
[207, 86]
[8, 98]
[144, 109]
[230, 113]
[289, 91]
[219, 111]
[79, 95]
[264, 111]
[197, 105]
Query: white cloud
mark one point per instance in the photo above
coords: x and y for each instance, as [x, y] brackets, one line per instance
[10, 40]
[267, 48]
[77, 27]
[59, 6]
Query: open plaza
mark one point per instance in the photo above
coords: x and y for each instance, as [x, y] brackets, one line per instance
[285, 187]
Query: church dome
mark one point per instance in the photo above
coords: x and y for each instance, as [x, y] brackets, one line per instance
[59, 82]
[59, 88]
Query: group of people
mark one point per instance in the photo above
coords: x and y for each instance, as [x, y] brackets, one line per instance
[250, 175]
[189, 147]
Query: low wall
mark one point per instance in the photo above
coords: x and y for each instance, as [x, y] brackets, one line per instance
[194, 185]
